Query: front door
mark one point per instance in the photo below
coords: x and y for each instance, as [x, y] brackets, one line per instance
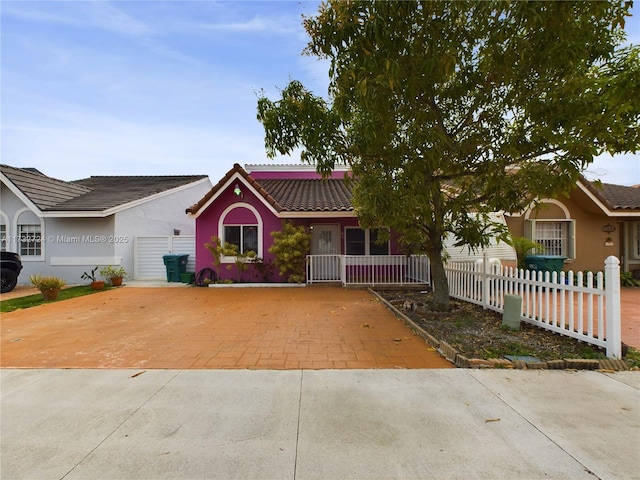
[325, 242]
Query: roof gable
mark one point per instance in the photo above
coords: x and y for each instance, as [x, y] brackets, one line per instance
[45, 192]
[91, 194]
[617, 200]
[286, 195]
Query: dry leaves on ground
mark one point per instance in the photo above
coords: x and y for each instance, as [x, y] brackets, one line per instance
[478, 333]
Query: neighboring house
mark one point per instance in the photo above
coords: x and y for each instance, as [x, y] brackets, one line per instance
[246, 205]
[495, 250]
[66, 228]
[587, 226]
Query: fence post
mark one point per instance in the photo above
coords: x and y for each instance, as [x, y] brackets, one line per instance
[485, 281]
[612, 295]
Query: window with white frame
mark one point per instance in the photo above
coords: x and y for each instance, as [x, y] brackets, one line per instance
[553, 237]
[244, 237]
[636, 240]
[364, 242]
[556, 236]
[30, 240]
[3, 237]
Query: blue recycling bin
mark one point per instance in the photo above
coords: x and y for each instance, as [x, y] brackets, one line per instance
[176, 265]
[545, 263]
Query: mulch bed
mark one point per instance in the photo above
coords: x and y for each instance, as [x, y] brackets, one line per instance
[478, 336]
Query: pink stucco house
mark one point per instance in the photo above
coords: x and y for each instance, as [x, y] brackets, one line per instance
[249, 203]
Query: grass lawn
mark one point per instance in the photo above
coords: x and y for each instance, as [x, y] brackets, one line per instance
[36, 299]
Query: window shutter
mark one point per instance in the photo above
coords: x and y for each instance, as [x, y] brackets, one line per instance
[571, 241]
[529, 229]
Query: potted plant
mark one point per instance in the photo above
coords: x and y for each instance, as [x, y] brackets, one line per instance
[114, 274]
[95, 284]
[48, 286]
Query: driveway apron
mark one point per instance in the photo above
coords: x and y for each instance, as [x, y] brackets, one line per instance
[201, 328]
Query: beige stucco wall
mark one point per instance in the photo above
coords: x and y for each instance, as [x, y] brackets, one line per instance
[590, 249]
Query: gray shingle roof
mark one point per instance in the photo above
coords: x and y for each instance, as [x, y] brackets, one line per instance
[90, 194]
[45, 192]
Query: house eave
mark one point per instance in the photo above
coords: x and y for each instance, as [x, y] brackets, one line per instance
[323, 214]
[604, 207]
[21, 196]
[235, 177]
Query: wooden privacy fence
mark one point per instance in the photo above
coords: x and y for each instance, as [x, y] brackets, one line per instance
[583, 306]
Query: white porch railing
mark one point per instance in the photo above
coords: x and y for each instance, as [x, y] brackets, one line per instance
[566, 303]
[369, 269]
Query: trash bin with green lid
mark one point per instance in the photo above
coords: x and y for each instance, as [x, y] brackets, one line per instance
[545, 263]
[176, 264]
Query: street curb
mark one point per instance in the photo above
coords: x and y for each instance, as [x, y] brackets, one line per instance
[460, 361]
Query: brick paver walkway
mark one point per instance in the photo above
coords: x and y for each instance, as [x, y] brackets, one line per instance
[630, 316]
[183, 328]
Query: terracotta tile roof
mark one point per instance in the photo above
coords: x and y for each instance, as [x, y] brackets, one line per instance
[90, 194]
[616, 197]
[289, 195]
[216, 188]
[620, 197]
[310, 195]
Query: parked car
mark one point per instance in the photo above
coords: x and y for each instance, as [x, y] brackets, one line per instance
[11, 266]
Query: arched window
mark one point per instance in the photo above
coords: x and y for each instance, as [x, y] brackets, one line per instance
[241, 225]
[555, 232]
[3, 232]
[29, 234]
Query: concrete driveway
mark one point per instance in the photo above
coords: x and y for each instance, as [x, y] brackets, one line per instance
[201, 328]
[269, 423]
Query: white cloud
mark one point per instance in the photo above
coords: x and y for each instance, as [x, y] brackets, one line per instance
[106, 16]
[155, 87]
[256, 24]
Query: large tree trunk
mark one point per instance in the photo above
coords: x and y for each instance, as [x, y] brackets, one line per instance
[439, 282]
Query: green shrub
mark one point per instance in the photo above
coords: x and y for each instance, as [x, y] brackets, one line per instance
[229, 250]
[290, 247]
[627, 280]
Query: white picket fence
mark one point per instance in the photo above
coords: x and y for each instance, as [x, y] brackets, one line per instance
[369, 269]
[585, 307]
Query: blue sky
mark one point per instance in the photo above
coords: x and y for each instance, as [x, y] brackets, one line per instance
[160, 87]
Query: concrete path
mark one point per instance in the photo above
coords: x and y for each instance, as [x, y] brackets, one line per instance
[322, 424]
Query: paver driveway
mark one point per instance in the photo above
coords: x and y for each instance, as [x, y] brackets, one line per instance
[184, 328]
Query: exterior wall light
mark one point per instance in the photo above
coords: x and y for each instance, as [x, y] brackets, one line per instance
[237, 190]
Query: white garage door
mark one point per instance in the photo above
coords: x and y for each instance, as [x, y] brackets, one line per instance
[149, 251]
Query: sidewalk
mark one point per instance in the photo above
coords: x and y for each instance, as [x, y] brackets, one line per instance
[320, 424]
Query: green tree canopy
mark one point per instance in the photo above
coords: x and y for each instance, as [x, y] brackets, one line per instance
[446, 111]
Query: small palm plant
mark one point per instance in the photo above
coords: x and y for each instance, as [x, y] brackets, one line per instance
[49, 286]
[522, 246]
